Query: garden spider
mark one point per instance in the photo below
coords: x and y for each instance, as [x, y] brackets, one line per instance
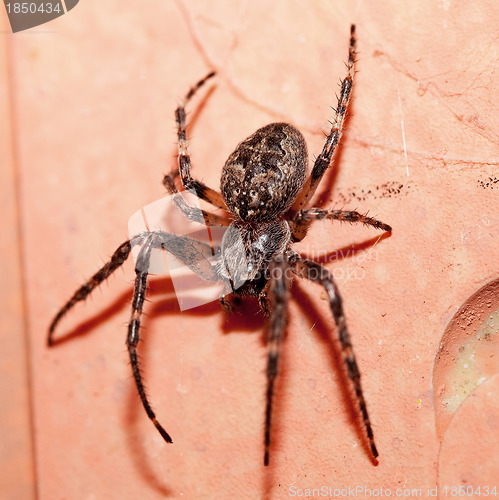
[264, 192]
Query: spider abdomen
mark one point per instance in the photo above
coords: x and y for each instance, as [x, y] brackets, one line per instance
[264, 174]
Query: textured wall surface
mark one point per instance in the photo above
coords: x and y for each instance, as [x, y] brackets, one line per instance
[88, 132]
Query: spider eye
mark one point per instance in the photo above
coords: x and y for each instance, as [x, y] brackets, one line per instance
[237, 190]
[252, 193]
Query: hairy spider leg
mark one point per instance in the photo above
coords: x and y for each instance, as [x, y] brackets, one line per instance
[118, 258]
[315, 272]
[184, 160]
[139, 293]
[323, 161]
[278, 296]
[303, 218]
[194, 214]
[192, 253]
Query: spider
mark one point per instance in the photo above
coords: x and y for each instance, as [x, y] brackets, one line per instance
[264, 194]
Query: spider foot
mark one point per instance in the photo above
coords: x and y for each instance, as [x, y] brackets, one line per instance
[163, 433]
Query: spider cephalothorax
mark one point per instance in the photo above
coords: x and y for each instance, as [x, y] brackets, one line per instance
[246, 251]
[265, 192]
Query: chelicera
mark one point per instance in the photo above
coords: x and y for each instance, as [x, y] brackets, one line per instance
[265, 193]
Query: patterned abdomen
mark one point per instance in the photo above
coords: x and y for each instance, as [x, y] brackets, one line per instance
[262, 177]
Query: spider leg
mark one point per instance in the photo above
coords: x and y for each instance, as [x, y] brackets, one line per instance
[192, 253]
[324, 159]
[192, 213]
[278, 295]
[116, 261]
[139, 294]
[304, 218]
[184, 160]
[315, 272]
